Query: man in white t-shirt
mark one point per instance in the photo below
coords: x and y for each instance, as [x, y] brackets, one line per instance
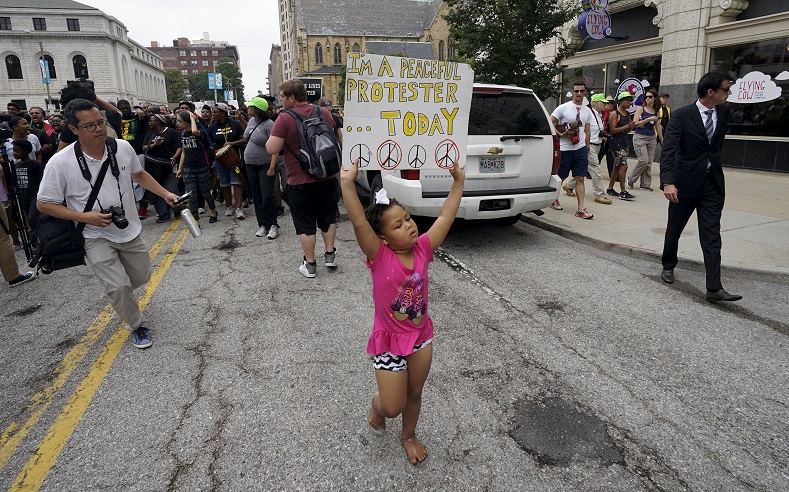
[572, 127]
[119, 257]
[596, 140]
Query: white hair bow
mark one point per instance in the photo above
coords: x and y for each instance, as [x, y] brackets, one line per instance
[381, 198]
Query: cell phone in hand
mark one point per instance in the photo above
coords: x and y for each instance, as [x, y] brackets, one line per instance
[183, 198]
[232, 113]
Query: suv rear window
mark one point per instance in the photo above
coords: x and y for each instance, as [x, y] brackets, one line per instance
[507, 113]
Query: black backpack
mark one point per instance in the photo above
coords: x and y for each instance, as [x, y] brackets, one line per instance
[60, 243]
[320, 154]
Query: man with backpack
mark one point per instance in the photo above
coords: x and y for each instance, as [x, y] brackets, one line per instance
[311, 171]
[99, 171]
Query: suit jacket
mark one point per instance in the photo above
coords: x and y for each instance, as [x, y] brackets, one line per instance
[686, 151]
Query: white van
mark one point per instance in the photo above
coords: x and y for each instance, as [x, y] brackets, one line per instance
[511, 159]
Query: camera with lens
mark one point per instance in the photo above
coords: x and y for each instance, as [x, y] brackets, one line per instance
[604, 134]
[118, 216]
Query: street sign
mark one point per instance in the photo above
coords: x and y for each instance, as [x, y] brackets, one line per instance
[214, 81]
[211, 84]
[218, 79]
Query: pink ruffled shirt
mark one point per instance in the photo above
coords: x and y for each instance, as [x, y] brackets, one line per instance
[400, 298]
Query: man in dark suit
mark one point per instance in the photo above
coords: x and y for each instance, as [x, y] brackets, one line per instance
[691, 177]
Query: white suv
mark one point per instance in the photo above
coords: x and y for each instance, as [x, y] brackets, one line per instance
[511, 160]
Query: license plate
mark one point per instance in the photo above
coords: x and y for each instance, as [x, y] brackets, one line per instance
[491, 165]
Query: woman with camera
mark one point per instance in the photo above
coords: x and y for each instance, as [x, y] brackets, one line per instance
[647, 135]
[162, 149]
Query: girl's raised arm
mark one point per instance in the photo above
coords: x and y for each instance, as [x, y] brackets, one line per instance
[368, 240]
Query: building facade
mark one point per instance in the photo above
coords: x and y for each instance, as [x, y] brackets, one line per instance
[317, 35]
[78, 42]
[670, 44]
[191, 57]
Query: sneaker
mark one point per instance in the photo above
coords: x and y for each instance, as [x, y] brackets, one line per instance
[240, 214]
[647, 188]
[273, 233]
[630, 182]
[603, 200]
[583, 214]
[201, 210]
[261, 231]
[142, 214]
[141, 338]
[568, 190]
[556, 205]
[612, 192]
[308, 269]
[228, 211]
[626, 196]
[280, 211]
[162, 218]
[331, 259]
[22, 278]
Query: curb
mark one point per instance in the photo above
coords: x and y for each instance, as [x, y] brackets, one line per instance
[645, 254]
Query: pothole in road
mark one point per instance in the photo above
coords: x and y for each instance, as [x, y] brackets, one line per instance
[556, 433]
[230, 244]
[551, 307]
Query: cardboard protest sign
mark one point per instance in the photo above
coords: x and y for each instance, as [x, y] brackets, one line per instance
[405, 113]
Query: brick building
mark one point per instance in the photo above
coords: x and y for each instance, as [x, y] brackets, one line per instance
[317, 35]
[78, 41]
[195, 56]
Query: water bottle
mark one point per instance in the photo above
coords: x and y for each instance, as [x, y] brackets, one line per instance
[191, 223]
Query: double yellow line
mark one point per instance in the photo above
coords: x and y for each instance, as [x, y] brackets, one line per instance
[35, 471]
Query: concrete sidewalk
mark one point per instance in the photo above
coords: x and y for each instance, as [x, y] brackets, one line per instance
[754, 226]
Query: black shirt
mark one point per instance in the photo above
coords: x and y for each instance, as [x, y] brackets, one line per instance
[28, 179]
[165, 151]
[194, 152]
[229, 131]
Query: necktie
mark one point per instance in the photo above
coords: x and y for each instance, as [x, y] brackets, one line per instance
[708, 125]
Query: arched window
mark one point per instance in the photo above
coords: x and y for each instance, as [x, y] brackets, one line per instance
[13, 67]
[52, 73]
[318, 54]
[450, 48]
[337, 54]
[441, 50]
[356, 48]
[80, 67]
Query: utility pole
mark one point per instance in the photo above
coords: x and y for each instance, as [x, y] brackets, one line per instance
[44, 69]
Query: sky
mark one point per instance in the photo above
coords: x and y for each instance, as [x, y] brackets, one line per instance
[252, 26]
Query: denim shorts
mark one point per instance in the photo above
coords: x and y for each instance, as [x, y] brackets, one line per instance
[226, 176]
[576, 161]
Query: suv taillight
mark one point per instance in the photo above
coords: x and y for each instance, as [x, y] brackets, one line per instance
[412, 174]
[557, 156]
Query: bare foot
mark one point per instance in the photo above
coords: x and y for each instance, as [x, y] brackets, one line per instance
[415, 451]
[377, 423]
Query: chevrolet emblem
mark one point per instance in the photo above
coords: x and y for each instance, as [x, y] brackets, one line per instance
[495, 150]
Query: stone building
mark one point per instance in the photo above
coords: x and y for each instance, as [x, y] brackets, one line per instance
[191, 57]
[317, 35]
[670, 44]
[79, 42]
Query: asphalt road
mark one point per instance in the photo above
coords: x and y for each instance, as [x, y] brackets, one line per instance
[556, 367]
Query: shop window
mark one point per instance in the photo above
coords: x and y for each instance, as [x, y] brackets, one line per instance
[763, 112]
[606, 78]
[52, 73]
[13, 67]
[39, 24]
[73, 24]
[80, 67]
[5, 23]
[318, 54]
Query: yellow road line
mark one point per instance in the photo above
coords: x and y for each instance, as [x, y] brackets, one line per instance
[35, 471]
[15, 433]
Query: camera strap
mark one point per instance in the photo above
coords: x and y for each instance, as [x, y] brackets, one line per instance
[109, 162]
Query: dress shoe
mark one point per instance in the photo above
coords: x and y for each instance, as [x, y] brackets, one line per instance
[667, 276]
[721, 295]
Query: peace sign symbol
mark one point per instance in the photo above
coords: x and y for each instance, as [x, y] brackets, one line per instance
[447, 153]
[389, 154]
[361, 152]
[417, 156]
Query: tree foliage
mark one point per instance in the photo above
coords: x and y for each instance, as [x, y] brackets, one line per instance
[231, 78]
[500, 37]
[198, 87]
[175, 84]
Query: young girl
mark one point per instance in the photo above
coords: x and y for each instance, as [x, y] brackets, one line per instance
[400, 344]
